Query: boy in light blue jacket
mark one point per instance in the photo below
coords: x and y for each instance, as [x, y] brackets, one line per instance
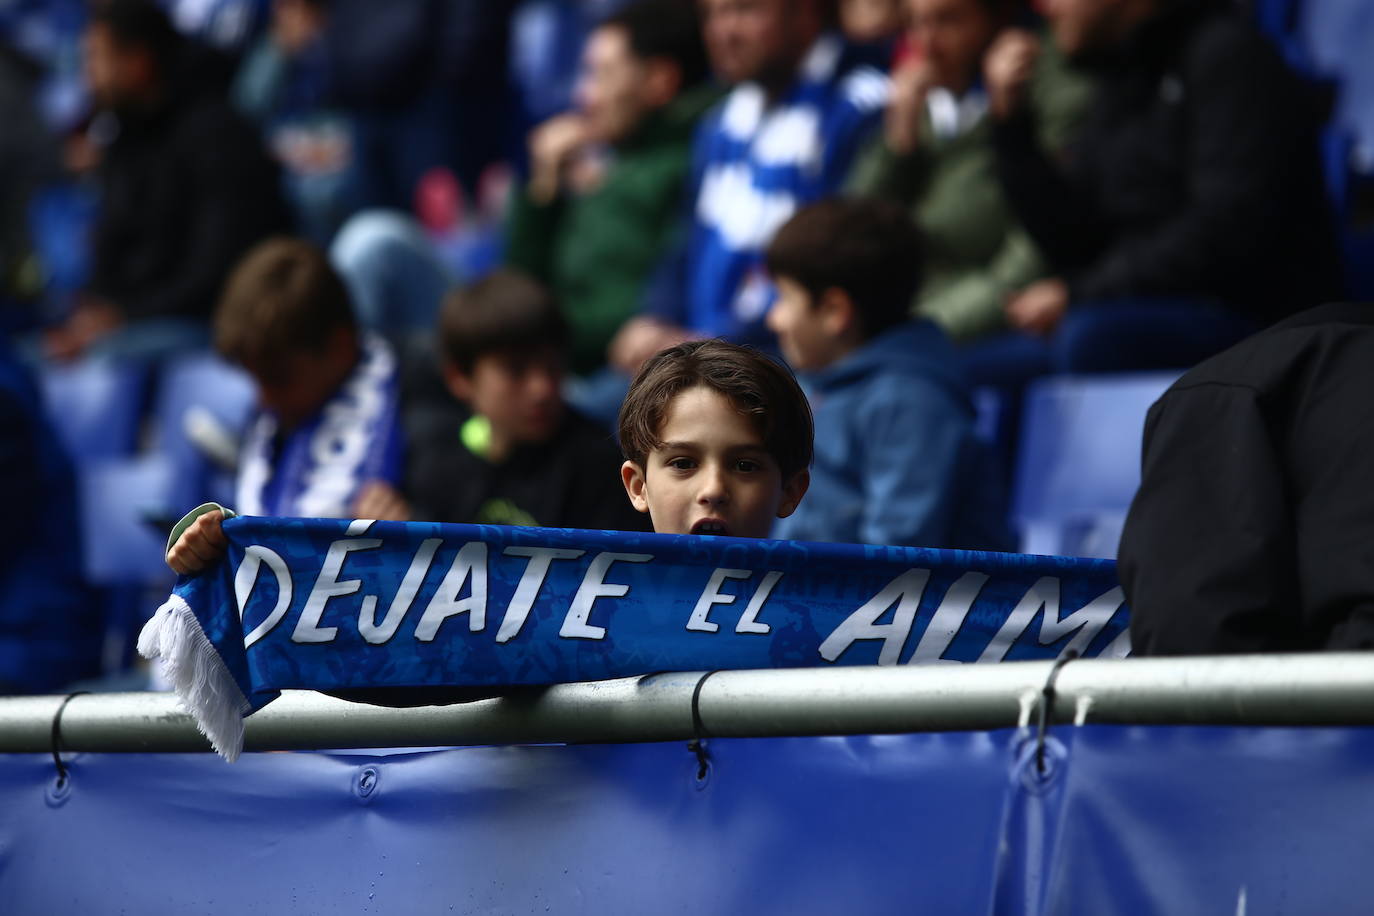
[896, 458]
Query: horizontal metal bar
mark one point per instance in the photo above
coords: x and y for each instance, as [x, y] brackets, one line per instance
[1325, 689]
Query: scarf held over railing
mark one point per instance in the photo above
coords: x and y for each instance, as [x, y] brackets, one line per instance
[330, 604]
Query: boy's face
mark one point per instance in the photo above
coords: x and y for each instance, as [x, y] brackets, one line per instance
[808, 331]
[712, 474]
[293, 389]
[520, 394]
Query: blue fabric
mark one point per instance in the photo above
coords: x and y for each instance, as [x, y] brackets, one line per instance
[754, 164]
[1128, 820]
[898, 460]
[330, 604]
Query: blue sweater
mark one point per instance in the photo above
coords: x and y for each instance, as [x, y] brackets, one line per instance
[754, 164]
[896, 460]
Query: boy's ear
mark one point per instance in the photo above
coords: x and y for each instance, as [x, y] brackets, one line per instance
[793, 489]
[458, 382]
[632, 476]
[837, 311]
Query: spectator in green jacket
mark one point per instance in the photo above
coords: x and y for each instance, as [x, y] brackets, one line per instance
[936, 157]
[604, 195]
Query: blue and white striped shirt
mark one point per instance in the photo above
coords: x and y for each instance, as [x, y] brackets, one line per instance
[754, 164]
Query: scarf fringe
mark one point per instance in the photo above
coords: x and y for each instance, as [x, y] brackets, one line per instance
[197, 674]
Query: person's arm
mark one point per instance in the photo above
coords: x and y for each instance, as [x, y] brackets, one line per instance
[531, 233]
[912, 435]
[880, 172]
[1207, 554]
[1245, 134]
[975, 304]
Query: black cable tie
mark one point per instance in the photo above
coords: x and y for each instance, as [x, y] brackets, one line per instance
[57, 736]
[698, 744]
[1047, 696]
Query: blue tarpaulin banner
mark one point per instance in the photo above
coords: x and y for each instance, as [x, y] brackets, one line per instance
[336, 604]
[1123, 820]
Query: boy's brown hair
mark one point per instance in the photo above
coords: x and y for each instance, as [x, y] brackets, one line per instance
[760, 388]
[869, 249]
[282, 298]
[506, 311]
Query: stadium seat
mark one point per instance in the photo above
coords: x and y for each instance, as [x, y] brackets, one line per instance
[95, 406]
[1079, 460]
[200, 399]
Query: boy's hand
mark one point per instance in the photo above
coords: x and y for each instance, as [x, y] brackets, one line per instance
[380, 500]
[200, 546]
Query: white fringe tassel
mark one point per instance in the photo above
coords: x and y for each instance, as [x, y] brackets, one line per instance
[197, 674]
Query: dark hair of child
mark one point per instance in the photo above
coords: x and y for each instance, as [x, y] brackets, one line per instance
[869, 249]
[504, 312]
[283, 297]
[760, 388]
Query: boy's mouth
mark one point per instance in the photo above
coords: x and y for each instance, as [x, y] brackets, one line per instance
[711, 526]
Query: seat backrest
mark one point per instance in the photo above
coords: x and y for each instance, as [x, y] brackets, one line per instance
[122, 503]
[95, 406]
[200, 394]
[1078, 465]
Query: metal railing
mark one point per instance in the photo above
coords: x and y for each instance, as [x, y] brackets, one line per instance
[1329, 689]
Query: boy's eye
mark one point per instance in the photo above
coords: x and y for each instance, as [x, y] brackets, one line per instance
[681, 464]
[748, 465]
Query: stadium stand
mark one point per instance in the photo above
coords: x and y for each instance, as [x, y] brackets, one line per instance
[96, 407]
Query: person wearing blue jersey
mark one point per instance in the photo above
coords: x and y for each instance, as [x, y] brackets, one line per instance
[330, 421]
[802, 103]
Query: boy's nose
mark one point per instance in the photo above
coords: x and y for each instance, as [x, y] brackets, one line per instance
[713, 491]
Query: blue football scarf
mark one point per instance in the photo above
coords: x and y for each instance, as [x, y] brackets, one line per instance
[331, 604]
[318, 468]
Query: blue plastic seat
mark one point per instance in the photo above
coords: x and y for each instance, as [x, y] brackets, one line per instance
[122, 504]
[1078, 464]
[95, 406]
[192, 389]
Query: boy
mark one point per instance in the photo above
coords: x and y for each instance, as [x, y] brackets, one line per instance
[717, 440]
[896, 461]
[521, 458]
[330, 418]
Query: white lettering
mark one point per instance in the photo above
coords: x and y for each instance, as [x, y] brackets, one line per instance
[247, 576]
[471, 563]
[905, 591]
[575, 625]
[713, 596]
[377, 634]
[329, 585]
[541, 558]
[949, 617]
[748, 622]
[1044, 596]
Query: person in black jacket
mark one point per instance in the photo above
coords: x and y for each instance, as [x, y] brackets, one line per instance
[1189, 209]
[1253, 529]
[186, 188]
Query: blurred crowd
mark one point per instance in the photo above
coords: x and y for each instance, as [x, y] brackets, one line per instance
[402, 260]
